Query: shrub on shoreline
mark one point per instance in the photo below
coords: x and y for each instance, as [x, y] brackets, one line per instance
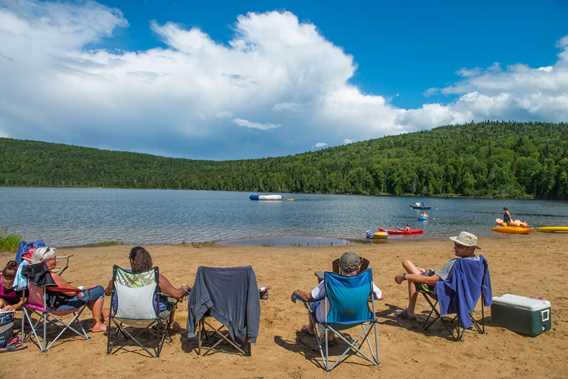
[9, 242]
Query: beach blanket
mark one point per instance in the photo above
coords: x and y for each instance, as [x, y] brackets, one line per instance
[459, 293]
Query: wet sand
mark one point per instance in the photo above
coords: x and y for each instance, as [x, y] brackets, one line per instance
[532, 265]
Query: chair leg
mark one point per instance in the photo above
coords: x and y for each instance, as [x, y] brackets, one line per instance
[199, 336]
[22, 328]
[109, 333]
[354, 346]
[44, 342]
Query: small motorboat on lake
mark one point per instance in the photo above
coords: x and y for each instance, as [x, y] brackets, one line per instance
[419, 206]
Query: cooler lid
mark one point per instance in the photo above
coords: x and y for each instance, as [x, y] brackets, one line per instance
[522, 302]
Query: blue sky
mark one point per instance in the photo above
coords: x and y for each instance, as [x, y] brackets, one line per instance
[230, 80]
[401, 48]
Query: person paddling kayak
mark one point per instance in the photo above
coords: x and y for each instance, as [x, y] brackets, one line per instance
[507, 217]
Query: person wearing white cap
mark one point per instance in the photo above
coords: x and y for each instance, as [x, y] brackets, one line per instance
[64, 297]
[465, 245]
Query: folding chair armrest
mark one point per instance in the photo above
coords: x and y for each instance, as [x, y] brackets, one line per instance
[66, 266]
[174, 300]
[306, 303]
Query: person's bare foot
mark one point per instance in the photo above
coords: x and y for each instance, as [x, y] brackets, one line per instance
[399, 278]
[407, 315]
[98, 328]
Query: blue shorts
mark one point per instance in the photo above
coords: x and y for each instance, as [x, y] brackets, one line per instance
[85, 297]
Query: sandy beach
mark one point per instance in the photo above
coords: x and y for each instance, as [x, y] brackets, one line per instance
[532, 266]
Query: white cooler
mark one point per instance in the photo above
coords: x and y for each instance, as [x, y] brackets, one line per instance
[522, 314]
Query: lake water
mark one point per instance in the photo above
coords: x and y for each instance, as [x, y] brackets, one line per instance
[77, 216]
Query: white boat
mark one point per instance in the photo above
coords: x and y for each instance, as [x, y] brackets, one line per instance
[256, 196]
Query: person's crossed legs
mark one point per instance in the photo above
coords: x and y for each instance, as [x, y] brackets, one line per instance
[416, 274]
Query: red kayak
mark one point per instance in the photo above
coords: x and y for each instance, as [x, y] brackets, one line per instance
[404, 232]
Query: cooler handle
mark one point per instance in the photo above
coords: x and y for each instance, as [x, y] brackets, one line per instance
[545, 315]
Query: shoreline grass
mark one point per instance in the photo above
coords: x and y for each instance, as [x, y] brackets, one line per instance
[9, 242]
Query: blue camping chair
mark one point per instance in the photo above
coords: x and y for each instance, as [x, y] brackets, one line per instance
[346, 306]
[468, 282]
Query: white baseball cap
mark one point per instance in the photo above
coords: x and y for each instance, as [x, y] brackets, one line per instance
[466, 239]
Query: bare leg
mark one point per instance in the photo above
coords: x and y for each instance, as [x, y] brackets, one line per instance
[97, 310]
[172, 317]
[410, 268]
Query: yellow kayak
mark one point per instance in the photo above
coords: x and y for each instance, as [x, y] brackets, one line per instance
[377, 235]
[512, 229]
[553, 229]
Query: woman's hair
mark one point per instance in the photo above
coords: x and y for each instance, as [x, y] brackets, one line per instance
[9, 271]
[140, 260]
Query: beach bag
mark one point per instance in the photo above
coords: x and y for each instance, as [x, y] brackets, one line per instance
[6, 327]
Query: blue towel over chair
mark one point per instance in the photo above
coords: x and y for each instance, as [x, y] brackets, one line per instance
[348, 298]
[459, 293]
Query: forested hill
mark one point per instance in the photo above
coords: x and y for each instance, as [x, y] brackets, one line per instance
[486, 159]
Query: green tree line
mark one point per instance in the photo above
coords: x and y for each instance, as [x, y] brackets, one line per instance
[489, 159]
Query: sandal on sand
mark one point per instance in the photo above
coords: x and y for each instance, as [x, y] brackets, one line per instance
[407, 316]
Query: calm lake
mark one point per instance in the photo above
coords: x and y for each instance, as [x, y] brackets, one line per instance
[77, 216]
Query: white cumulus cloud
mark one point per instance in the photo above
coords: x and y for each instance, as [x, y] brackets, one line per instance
[278, 86]
[254, 125]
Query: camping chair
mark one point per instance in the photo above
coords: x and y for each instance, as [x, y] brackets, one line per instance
[135, 305]
[227, 290]
[207, 333]
[346, 305]
[454, 324]
[36, 305]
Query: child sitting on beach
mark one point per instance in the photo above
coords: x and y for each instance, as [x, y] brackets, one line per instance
[10, 300]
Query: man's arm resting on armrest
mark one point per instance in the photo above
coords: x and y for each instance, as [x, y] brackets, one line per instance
[302, 295]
